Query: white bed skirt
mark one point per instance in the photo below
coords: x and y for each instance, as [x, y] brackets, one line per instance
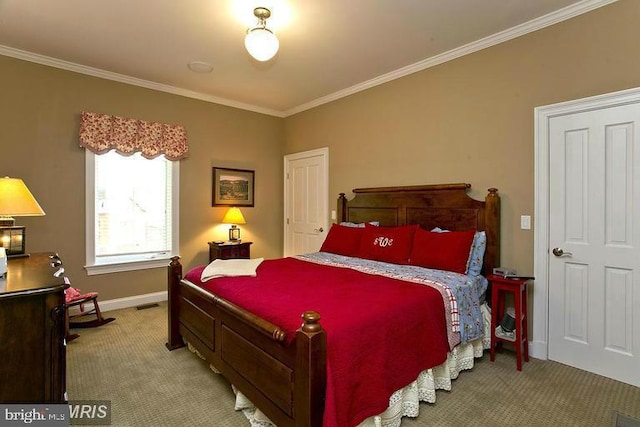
[406, 401]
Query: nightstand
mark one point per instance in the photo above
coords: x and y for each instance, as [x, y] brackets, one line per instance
[518, 287]
[229, 250]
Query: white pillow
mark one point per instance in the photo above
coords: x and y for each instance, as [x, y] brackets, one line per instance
[230, 268]
[359, 224]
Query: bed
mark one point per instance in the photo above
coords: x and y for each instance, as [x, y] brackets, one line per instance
[285, 372]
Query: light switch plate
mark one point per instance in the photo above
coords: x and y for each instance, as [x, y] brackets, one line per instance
[525, 222]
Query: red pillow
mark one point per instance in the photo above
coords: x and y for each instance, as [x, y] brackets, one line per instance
[342, 240]
[388, 244]
[442, 251]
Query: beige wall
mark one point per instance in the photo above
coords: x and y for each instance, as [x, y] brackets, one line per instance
[469, 120]
[39, 121]
[472, 119]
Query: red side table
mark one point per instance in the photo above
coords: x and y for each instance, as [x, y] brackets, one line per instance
[518, 287]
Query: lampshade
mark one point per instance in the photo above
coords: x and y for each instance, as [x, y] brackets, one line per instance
[233, 216]
[261, 42]
[16, 199]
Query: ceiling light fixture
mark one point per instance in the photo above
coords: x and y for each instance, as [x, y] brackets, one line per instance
[261, 42]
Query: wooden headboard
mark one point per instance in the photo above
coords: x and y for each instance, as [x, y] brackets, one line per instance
[447, 206]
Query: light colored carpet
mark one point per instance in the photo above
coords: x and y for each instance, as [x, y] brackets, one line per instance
[126, 362]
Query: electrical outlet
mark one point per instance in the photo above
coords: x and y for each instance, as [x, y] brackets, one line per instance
[525, 222]
[334, 215]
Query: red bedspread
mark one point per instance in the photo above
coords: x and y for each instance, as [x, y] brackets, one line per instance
[381, 332]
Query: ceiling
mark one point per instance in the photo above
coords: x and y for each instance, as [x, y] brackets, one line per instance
[328, 48]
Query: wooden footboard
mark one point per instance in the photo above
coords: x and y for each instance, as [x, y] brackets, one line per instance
[287, 382]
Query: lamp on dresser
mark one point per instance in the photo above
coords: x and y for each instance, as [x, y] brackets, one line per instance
[234, 216]
[15, 200]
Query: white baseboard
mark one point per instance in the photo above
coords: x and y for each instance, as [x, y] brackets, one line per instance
[538, 349]
[127, 302]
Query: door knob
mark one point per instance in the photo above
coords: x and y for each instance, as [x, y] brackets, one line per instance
[319, 230]
[559, 252]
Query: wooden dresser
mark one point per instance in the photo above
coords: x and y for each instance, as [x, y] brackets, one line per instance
[32, 330]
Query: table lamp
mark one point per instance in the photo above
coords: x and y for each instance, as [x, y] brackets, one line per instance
[15, 200]
[233, 217]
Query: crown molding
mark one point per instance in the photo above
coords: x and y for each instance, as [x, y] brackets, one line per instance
[108, 75]
[501, 37]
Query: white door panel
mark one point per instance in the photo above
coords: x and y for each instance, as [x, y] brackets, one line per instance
[306, 193]
[594, 218]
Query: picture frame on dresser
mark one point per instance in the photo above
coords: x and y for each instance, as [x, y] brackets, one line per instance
[232, 187]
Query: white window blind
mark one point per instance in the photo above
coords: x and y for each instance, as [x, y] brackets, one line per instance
[132, 221]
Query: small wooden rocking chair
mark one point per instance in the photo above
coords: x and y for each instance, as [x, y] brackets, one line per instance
[73, 297]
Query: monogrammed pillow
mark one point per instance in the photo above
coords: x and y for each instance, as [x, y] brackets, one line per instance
[388, 244]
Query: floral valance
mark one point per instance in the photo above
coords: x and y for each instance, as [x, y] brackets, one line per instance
[101, 133]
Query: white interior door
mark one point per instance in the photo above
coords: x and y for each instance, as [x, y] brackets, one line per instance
[306, 201]
[594, 238]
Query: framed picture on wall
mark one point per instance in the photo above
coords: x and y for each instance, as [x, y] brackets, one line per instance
[232, 187]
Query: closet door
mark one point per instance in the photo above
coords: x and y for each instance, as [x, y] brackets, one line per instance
[594, 238]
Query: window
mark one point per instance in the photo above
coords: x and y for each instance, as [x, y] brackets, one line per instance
[132, 212]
